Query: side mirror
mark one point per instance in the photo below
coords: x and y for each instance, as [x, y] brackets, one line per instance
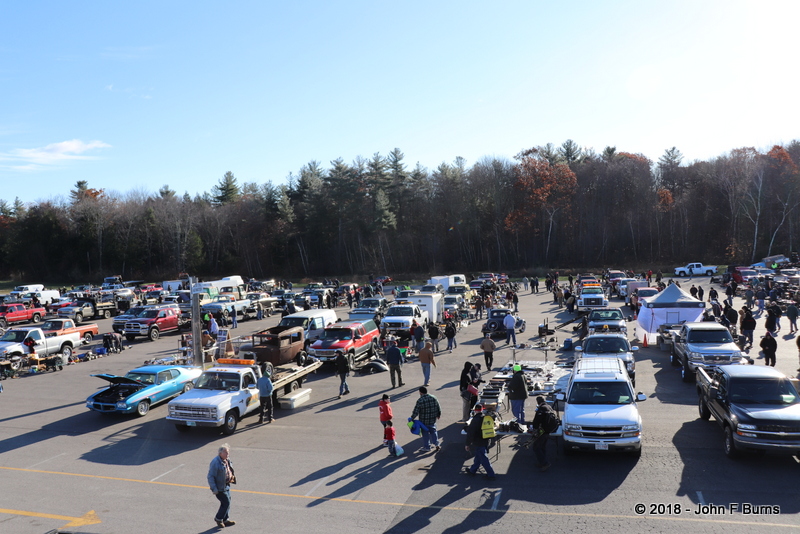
[713, 391]
[634, 349]
[560, 396]
[252, 386]
[578, 349]
[357, 336]
[641, 397]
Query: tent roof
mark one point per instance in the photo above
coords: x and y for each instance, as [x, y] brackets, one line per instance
[674, 297]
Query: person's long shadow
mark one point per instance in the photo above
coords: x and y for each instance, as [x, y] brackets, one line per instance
[331, 469]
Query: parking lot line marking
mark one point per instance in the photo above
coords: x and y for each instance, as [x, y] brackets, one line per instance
[45, 461]
[496, 499]
[89, 518]
[421, 506]
[321, 482]
[168, 472]
[700, 498]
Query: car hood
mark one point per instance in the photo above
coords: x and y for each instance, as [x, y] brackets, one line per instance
[114, 379]
[601, 414]
[202, 397]
[712, 348]
[9, 345]
[365, 310]
[331, 343]
[763, 413]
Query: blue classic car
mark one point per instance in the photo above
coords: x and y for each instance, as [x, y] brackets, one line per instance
[141, 388]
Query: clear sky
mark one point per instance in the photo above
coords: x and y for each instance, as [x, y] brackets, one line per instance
[136, 95]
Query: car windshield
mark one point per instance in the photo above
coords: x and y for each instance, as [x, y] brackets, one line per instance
[649, 292]
[451, 300]
[748, 272]
[220, 381]
[709, 336]
[135, 311]
[606, 344]
[763, 391]
[294, 321]
[600, 393]
[400, 311]
[606, 315]
[278, 292]
[456, 289]
[428, 288]
[3, 309]
[14, 336]
[498, 314]
[370, 303]
[592, 291]
[148, 314]
[337, 333]
[51, 325]
[144, 378]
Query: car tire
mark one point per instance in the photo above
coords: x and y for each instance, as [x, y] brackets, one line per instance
[153, 334]
[87, 338]
[294, 386]
[351, 361]
[686, 375]
[106, 314]
[269, 368]
[709, 273]
[3, 323]
[522, 328]
[142, 408]
[373, 350]
[300, 359]
[36, 318]
[730, 444]
[66, 351]
[78, 318]
[187, 387]
[702, 408]
[230, 423]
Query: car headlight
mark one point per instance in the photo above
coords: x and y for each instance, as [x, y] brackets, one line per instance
[736, 354]
[628, 428]
[89, 403]
[746, 427]
[122, 405]
[695, 356]
[573, 427]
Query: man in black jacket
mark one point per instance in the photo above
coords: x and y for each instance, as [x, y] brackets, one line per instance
[517, 393]
[541, 432]
[343, 370]
[478, 444]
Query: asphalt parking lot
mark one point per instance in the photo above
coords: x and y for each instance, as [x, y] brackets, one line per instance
[321, 467]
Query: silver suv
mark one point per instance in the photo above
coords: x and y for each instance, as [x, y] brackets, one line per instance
[612, 344]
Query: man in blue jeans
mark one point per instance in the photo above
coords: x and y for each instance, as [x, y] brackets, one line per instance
[510, 322]
[479, 445]
[220, 477]
[429, 411]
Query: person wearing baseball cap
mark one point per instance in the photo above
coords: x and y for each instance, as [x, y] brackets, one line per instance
[517, 393]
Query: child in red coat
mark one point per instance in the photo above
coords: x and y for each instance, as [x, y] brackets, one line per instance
[385, 411]
[389, 435]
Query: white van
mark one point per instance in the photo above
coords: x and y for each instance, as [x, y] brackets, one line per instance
[45, 296]
[312, 321]
[21, 290]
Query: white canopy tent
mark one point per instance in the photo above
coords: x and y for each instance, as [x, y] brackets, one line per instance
[673, 305]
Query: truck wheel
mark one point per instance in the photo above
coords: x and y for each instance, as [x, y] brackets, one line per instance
[225, 313]
[3, 323]
[66, 351]
[730, 444]
[268, 312]
[709, 273]
[153, 334]
[106, 314]
[130, 337]
[36, 318]
[351, 360]
[142, 408]
[686, 374]
[373, 349]
[231, 420]
[702, 407]
[294, 386]
[87, 338]
[78, 317]
[300, 359]
[181, 428]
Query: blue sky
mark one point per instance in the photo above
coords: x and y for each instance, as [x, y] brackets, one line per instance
[133, 96]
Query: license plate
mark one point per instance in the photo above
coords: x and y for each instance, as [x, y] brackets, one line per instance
[192, 423]
[601, 446]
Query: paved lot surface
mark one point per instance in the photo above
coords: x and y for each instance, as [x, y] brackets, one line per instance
[321, 468]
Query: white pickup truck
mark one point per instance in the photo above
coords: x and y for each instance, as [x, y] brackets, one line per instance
[225, 393]
[697, 269]
[12, 343]
[402, 315]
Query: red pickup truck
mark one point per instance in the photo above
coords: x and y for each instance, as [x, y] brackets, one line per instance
[18, 313]
[154, 321]
[356, 339]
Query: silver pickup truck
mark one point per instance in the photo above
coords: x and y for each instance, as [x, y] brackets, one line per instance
[703, 345]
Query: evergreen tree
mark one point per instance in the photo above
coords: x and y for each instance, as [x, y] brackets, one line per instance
[226, 190]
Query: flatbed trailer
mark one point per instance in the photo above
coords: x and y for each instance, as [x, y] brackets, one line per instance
[291, 377]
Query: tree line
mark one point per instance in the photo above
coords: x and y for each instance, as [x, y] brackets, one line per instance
[549, 207]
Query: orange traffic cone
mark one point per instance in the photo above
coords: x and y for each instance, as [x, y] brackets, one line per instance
[645, 341]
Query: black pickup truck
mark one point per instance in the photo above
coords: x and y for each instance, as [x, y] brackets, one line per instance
[757, 407]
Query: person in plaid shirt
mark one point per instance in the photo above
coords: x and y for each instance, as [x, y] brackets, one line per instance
[429, 411]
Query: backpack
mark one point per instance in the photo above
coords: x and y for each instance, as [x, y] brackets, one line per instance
[487, 427]
[551, 421]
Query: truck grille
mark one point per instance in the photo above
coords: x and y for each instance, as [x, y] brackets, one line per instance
[131, 328]
[390, 324]
[593, 302]
[601, 432]
[717, 358]
[197, 413]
